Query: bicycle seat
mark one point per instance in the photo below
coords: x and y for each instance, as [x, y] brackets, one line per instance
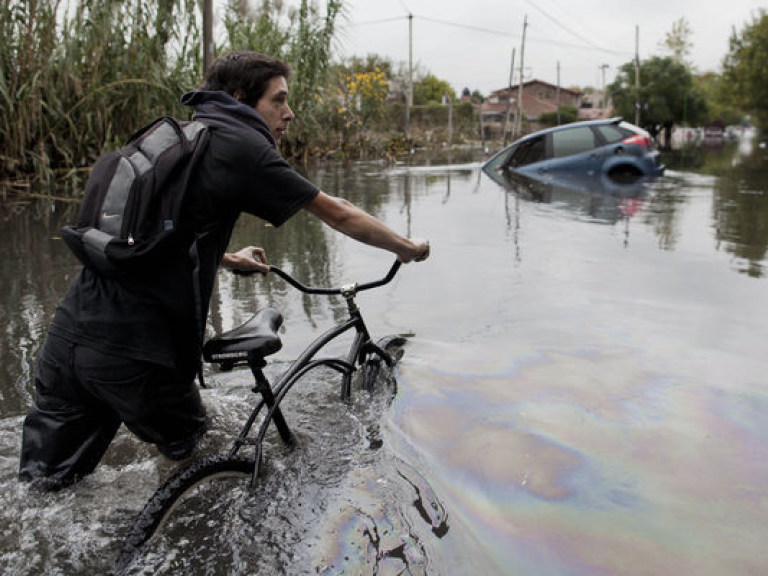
[256, 337]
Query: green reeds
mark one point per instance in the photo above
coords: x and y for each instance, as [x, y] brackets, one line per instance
[76, 79]
[79, 77]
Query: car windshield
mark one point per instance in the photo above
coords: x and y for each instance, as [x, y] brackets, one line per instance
[529, 152]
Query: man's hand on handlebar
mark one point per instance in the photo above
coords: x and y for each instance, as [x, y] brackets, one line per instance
[246, 261]
[418, 252]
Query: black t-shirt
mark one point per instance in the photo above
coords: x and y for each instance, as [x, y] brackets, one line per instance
[156, 315]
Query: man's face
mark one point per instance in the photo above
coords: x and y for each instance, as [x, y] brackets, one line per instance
[273, 107]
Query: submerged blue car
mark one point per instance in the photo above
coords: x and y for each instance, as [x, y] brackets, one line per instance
[609, 147]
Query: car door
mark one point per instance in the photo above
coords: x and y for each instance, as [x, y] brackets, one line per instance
[575, 149]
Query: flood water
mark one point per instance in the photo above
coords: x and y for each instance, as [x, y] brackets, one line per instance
[583, 391]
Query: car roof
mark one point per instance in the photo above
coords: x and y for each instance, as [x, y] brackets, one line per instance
[598, 122]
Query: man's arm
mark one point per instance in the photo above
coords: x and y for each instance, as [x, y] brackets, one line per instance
[350, 220]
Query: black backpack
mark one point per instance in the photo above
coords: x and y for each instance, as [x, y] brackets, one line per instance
[133, 198]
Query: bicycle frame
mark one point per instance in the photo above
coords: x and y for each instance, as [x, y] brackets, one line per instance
[250, 343]
[362, 346]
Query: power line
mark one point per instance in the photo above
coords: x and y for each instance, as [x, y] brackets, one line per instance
[510, 35]
[393, 19]
[467, 27]
[573, 17]
[505, 34]
[566, 28]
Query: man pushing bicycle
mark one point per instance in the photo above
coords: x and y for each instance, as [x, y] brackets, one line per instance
[126, 350]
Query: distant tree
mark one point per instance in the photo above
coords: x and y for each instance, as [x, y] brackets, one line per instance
[430, 89]
[355, 98]
[568, 114]
[369, 63]
[667, 95]
[715, 92]
[678, 42]
[745, 68]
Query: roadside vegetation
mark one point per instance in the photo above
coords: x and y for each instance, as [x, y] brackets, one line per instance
[671, 93]
[76, 79]
[79, 77]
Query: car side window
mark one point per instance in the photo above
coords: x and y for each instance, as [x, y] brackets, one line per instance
[612, 133]
[573, 141]
[534, 150]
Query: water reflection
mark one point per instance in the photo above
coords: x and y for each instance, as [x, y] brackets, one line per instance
[35, 271]
[739, 177]
[597, 197]
[740, 212]
[737, 173]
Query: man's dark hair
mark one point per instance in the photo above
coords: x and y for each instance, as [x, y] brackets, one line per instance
[245, 72]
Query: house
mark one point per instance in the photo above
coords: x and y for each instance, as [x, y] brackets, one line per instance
[539, 97]
[594, 106]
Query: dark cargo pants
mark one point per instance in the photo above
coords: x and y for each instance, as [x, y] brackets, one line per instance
[83, 395]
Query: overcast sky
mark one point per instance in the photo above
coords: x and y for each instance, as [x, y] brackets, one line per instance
[469, 43]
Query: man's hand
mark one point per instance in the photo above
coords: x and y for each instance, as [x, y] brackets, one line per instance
[418, 252]
[248, 259]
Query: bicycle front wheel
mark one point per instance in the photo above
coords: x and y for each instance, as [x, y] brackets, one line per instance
[376, 367]
[186, 501]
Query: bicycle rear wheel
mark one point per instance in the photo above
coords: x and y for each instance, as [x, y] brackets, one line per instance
[186, 500]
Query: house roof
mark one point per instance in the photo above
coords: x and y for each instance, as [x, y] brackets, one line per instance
[513, 89]
[533, 106]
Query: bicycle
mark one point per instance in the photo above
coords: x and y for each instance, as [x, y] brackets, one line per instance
[250, 344]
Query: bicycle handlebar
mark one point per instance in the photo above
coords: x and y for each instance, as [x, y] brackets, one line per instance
[330, 291]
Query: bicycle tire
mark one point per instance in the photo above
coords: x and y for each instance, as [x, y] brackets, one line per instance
[393, 345]
[172, 493]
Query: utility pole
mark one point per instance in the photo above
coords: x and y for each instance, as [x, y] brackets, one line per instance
[637, 75]
[602, 94]
[207, 34]
[557, 98]
[409, 91]
[520, 85]
[509, 95]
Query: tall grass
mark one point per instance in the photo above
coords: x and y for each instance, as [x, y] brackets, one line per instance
[78, 77]
[75, 79]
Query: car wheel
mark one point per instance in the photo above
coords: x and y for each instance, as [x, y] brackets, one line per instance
[625, 173]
